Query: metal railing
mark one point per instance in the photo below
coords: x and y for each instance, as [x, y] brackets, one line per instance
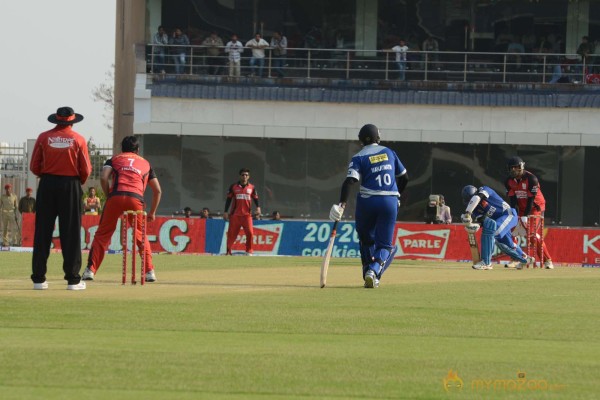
[382, 65]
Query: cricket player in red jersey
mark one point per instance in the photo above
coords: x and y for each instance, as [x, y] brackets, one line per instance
[240, 197]
[130, 173]
[525, 195]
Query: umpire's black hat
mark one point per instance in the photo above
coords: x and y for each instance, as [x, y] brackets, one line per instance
[65, 116]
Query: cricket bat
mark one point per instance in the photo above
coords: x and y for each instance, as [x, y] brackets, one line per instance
[474, 247]
[327, 257]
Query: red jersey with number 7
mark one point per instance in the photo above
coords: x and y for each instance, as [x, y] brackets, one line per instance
[130, 175]
[241, 197]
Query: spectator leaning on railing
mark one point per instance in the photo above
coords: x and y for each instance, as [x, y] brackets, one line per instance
[214, 45]
[234, 48]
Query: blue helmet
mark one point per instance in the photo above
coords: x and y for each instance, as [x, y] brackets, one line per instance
[468, 192]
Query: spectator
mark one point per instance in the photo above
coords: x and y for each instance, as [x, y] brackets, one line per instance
[130, 174]
[258, 46]
[181, 41]
[279, 45]
[234, 48]
[558, 73]
[187, 212]
[205, 213]
[213, 44]
[92, 204]
[62, 170]
[445, 215]
[276, 216]
[159, 40]
[432, 46]
[515, 50]
[27, 202]
[8, 209]
[240, 196]
[584, 50]
[400, 49]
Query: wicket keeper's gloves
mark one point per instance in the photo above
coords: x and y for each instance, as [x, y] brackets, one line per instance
[336, 212]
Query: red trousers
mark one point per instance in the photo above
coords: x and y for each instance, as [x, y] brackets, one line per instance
[113, 209]
[235, 223]
[534, 238]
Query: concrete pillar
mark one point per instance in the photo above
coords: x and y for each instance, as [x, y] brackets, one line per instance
[130, 30]
[578, 24]
[366, 27]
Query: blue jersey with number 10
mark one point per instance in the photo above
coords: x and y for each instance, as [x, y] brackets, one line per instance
[376, 167]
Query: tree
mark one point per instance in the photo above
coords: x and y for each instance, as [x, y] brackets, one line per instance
[104, 93]
[97, 158]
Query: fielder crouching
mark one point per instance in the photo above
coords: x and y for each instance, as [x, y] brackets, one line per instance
[130, 173]
[383, 178]
[498, 218]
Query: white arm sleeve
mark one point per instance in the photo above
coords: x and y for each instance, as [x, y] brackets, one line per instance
[473, 203]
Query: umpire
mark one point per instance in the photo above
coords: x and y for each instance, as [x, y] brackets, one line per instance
[60, 159]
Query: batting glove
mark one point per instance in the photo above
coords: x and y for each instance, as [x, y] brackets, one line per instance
[472, 228]
[336, 212]
[466, 218]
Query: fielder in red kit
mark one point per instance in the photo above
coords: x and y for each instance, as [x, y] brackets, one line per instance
[525, 195]
[240, 197]
[129, 173]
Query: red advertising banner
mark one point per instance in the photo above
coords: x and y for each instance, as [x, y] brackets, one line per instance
[449, 242]
[174, 235]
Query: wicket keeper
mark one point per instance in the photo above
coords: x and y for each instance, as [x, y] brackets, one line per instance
[525, 195]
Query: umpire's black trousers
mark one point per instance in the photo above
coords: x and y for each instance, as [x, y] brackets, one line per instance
[58, 196]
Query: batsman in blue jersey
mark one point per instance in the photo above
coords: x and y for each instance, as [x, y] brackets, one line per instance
[497, 219]
[382, 178]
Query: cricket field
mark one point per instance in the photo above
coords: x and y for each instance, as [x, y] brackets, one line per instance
[216, 327]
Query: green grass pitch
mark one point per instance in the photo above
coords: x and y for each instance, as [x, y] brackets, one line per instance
[216, 327]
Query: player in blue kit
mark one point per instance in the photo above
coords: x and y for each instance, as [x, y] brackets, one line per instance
[497, 219]
[382, 178]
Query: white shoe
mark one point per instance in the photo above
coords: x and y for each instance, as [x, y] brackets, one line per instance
[370, 279]
[88, 275]
[530, 260]
[150, 276]
[481, 265]
[512, 264]
[79, 286]
[40, 286]
[548, 264]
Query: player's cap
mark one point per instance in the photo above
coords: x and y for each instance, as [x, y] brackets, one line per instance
[29, 190]
[7, 186]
